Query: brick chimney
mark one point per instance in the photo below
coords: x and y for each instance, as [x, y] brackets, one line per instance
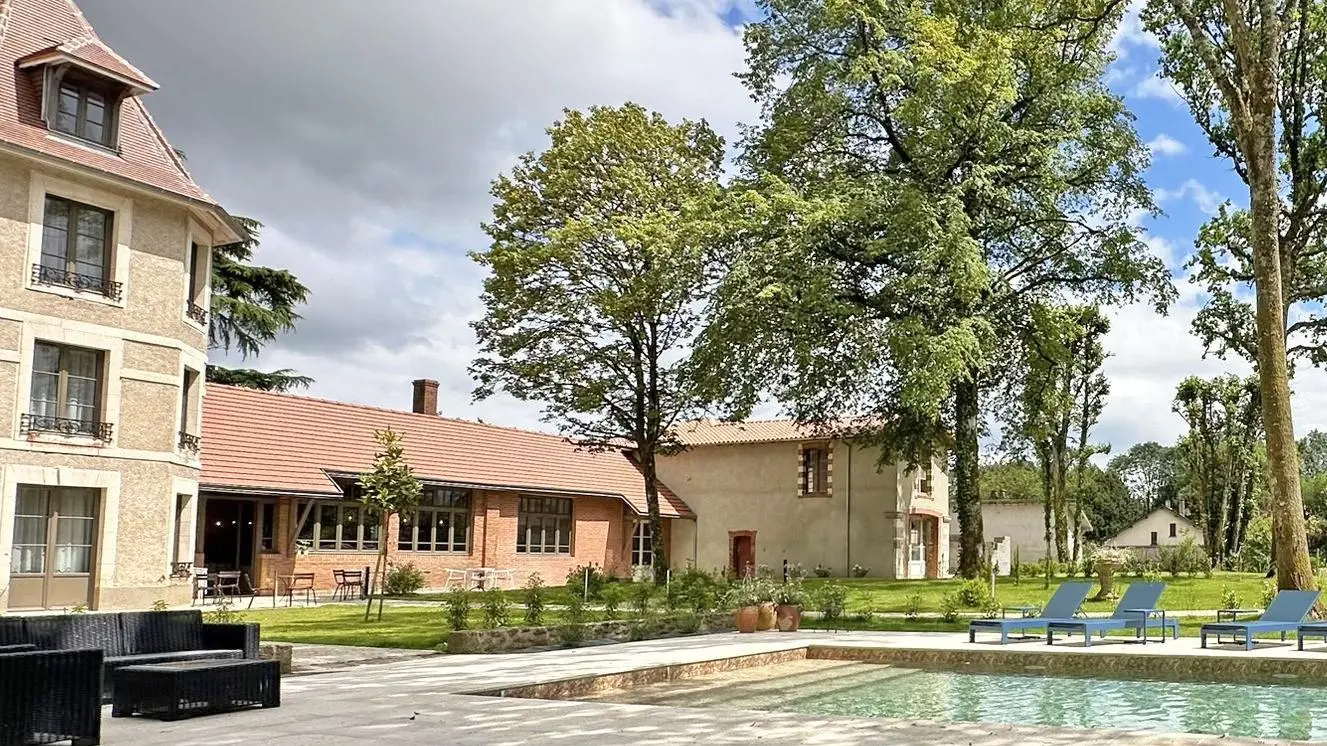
[426, 396]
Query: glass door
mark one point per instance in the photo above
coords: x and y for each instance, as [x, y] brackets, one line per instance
[916, 547]
[55, 532]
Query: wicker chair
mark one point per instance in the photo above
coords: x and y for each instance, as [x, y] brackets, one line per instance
[50, 696]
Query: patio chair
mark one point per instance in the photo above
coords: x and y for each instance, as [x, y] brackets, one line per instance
[1062, 606]
[347, 581]
[301, 582]
[230, 583]
[1284, 614]
[201, 583]
[1134, 611]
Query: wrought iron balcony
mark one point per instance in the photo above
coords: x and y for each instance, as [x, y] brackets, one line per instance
[189, 442]
[196, 312]
[32, 423]
[56, 276]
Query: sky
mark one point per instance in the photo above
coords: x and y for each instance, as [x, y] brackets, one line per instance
[364, 136]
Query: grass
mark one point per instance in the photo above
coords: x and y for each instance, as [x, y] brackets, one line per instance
[415, 627]
[1189, 626]
[1182, 593]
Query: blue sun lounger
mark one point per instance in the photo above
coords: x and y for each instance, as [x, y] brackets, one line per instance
[1284, 614]
[1135, 611]
[1063, 605]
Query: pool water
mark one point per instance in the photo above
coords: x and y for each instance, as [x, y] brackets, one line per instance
[871, 690]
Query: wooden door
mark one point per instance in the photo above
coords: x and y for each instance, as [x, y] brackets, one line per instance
[743, 554]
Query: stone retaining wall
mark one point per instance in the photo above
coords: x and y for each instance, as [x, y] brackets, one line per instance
[507, 639]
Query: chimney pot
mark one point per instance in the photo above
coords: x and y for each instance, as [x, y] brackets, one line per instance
[426, 396]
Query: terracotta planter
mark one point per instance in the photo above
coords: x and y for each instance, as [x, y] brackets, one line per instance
[746, 618]
[765, 618]
[788, 617]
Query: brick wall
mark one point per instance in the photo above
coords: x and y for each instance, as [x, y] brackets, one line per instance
[600, 534]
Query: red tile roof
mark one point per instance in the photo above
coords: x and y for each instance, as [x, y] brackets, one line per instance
[31, 26]
[261, 441]
[715, 432]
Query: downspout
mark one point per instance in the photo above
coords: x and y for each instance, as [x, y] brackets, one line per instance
[847, 539]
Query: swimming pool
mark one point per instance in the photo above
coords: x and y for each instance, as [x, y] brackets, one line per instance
[820, 687]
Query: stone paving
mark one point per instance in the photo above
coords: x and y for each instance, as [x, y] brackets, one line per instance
[424, 701]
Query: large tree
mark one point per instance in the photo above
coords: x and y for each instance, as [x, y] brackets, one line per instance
[924, 174]
[1228, 58]
[251, 306]
[1150, 472]
[599, 266]
[1219, 456]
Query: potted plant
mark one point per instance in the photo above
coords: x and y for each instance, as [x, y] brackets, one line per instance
[764, 590]
[788, 600]
[1108, 560]
[742, 598]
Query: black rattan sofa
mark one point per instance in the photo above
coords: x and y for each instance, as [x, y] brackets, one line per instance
[134, 638]
[50, 696]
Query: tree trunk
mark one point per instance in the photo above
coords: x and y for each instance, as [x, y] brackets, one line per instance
[1060, 504]
[1293, 570]
[379, 568]
[657, 551]
[1046, 509]
[967, 492]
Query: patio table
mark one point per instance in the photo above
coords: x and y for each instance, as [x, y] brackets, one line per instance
[170, 691]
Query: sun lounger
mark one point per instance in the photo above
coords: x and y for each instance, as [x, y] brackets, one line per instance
[1285, 614]
[1063, 605]
[1136, 610]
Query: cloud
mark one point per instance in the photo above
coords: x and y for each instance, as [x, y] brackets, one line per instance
[1204, 198]
[365, 137]
[1164, 145]
[1156, 87]
[1130, 34]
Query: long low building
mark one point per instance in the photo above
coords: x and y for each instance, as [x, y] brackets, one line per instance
[278, 495]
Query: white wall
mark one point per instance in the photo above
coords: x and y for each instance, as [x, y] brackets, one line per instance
[1160, 521]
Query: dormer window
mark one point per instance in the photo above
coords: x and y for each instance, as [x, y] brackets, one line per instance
[83, 111]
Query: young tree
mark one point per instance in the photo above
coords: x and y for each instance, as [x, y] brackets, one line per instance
[1218, 454]
[251, 305]
[1227, 57]
[920, 179]
[389, 488]
[600, 266]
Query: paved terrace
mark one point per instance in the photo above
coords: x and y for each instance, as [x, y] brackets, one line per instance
[424, 701]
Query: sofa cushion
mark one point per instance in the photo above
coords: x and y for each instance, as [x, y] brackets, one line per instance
[76, 632]
[143, 659]
[161, 631]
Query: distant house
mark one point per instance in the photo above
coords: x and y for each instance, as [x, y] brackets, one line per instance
[1161, 528]
[1024, 523]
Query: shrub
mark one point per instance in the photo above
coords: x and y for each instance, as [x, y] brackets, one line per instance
[1135, 564]
[533, 597]
[223, 613]
[457, 604]
[1031, 570]
[698, 590]
[796, 571]
[830, 599]
[974, 594]
[991, 610]
[495, 608]
[571, 634]
[791, 593]
[688, 623]
[1229, 598]
[859, 572]
[949, 604]
[577, 580]
[1014, 566]
[862, 616]
[575, 613]
[612, 600]
[822, 571]
[641, 595]
[912, 607]
[404, 579]
[1152, 574]
[1268, 593]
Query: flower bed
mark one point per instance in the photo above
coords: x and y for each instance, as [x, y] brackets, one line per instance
[508, 639]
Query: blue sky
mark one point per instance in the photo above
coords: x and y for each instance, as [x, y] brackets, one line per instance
[372, 187]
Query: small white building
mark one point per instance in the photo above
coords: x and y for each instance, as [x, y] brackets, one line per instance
[1022, 522]
[1162, 527]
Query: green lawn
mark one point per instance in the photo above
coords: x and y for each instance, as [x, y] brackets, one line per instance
[417, 627]
[1182, 593]
[1188, 626]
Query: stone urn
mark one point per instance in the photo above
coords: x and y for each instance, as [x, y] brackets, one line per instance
[788, 617]
[1106, 569]
[765, 617]
[746, 617]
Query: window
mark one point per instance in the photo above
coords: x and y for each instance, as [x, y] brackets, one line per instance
[815, 471]
[927, 482]
[189, 440]
[1172, 530]
[80, 107]
[55, 525]
[1154, 538]
[267, 527]
[642, 551]
[66, 391]
[181, 503]
[194, 295]
[544, 526]
[76, 247]
[441, 523]
[342, 526]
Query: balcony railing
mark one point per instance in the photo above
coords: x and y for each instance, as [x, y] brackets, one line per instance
[190, 443]
[33, 423]
[196, 312]
[56, 276]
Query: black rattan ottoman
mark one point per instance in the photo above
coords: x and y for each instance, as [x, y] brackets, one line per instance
[170, 691]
